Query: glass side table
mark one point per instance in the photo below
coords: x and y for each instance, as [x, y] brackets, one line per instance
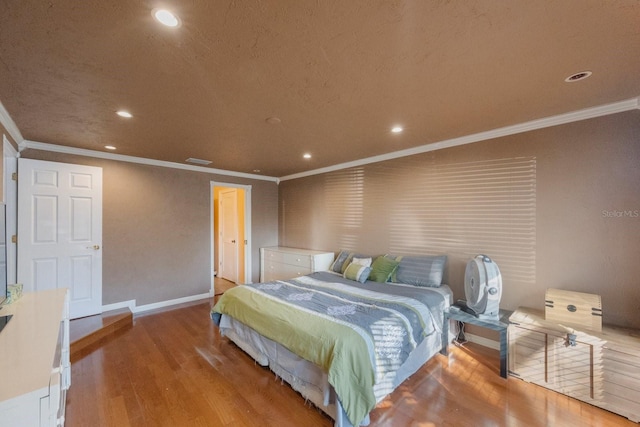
[499, 325]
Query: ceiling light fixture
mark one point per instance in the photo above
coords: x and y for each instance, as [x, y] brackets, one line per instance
[396, 129]
[109, 147]
[198, 161]
[165, 17]
[125, 114]
[272, 120]
[578, 76]
[306, 156]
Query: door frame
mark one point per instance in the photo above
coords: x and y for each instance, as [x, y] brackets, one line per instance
[10, 198]
[232, 193]
[247, 229]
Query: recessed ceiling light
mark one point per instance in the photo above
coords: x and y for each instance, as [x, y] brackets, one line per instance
[578, 76]
[125, 114]
[396, 129]
[165, 17]
[109, 147]
[306, 156]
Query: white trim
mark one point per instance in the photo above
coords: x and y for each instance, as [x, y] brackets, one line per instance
[248, 257]
[485, 342]
[131, 304]
[10, 125]
[8, 147]
[168, 303]
[9, 151]
[10, 198]
[140, 160]
[570, 117]
[574, 116]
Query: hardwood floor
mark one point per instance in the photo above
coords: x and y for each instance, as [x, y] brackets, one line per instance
[222, 285]
[87, 332]
[172, 368]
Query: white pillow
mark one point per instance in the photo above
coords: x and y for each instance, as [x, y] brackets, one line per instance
[366, 262]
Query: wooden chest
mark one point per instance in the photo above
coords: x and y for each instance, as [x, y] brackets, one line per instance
[601, 368]
[621, 369]
[577, 309]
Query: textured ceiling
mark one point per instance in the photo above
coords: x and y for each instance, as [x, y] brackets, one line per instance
[338, 74]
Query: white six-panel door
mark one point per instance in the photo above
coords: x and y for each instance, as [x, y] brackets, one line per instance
[229, 231]
[60, 231]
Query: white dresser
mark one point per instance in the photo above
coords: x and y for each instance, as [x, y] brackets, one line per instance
[34, 360]
[280, 263]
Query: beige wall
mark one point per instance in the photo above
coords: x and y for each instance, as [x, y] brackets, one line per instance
[586, 174]
[157, 228]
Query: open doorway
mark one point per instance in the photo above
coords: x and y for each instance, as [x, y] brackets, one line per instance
[231, 232]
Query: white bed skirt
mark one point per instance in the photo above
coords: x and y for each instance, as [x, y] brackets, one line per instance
[308, 379]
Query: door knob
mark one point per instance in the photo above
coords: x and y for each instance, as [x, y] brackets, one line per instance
[233, 241]
[94, 247]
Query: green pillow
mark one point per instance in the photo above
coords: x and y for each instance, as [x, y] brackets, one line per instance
[398, 258]
[382, 269]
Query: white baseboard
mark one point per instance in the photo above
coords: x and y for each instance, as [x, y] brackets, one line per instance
[485, 342]
[131, 304]
[169, 303]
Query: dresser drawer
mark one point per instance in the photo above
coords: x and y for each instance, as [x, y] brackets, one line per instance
[277, 263]
[288, 258]
[302, 261]
[279, 271]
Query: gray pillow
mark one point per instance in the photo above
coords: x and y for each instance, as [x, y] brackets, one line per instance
[421, 270]
[339, 262]
[343, 260]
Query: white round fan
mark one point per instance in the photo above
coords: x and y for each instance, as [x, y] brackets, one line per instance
[483, 287]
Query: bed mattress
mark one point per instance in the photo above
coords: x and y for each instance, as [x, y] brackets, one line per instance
[311, 380]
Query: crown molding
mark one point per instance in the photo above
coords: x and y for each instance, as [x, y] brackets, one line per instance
[560, 119]
[10, 125]
[34, 145]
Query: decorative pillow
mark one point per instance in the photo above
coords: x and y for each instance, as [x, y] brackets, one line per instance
[345, 258]
[362, 261]
[421, 270]
[357, 272]
[339, 265]
[382, 269]
[398, 258]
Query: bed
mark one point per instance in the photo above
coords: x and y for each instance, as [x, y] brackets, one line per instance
[340, 340]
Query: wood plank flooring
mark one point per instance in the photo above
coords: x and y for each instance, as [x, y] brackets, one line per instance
[172, 368]
[87, 332]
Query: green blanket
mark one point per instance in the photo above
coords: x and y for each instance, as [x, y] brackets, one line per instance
[343, 353]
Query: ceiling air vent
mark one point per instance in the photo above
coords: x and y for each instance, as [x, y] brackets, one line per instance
[198, 161]
[578, 76]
